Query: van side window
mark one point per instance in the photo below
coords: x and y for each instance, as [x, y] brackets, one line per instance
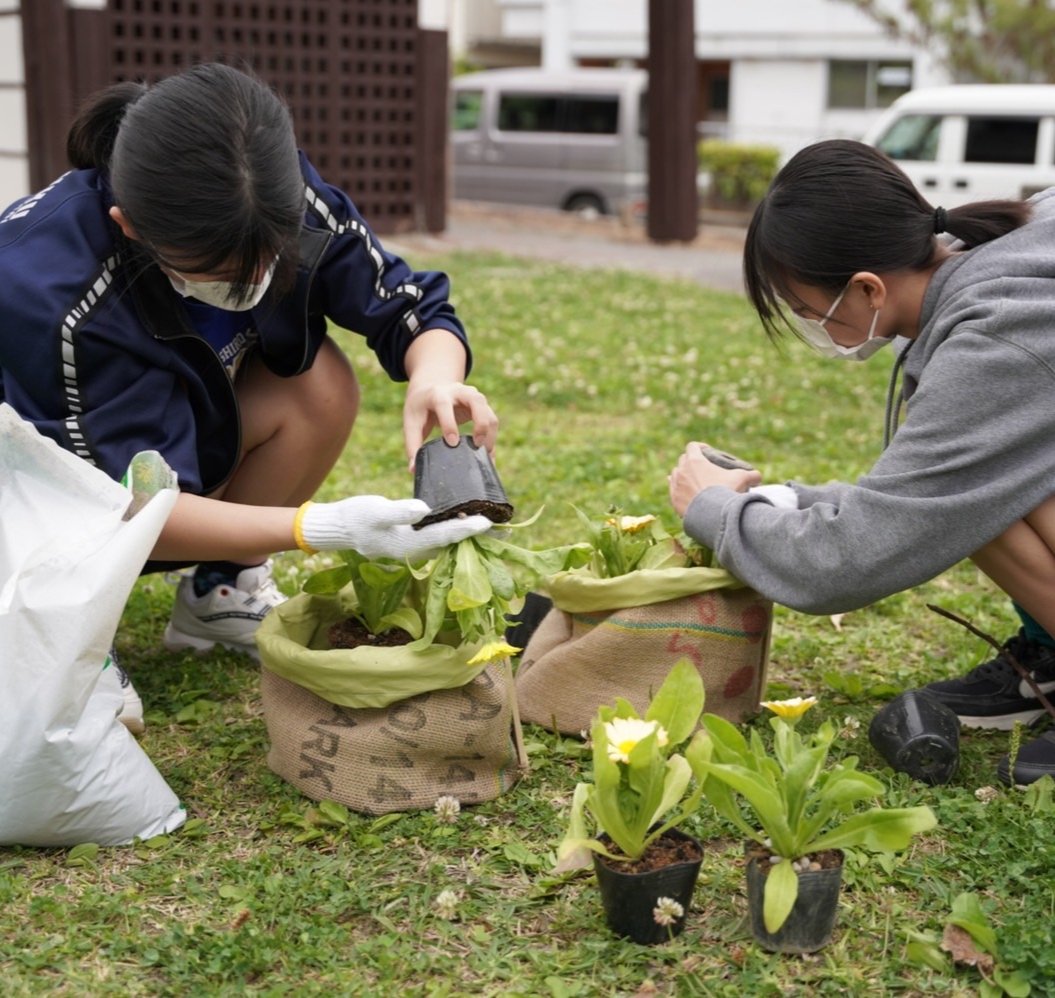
[1001, 140]
[914, 136]
[591, 114]
[467, 107]
[583, 114]
[527, 113]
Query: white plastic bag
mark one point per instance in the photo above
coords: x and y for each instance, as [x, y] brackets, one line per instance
[69, 770]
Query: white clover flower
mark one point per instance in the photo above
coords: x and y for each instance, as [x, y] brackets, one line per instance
[623, 734]
[667, 911]
[447, 809]
[446, 903]
[986, 794]
[851, 725]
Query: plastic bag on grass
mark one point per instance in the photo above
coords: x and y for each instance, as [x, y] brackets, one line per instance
[72, 543]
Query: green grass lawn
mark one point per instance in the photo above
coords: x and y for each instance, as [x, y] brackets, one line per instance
[600, 379]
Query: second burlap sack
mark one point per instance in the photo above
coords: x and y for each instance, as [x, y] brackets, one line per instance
[619, 637]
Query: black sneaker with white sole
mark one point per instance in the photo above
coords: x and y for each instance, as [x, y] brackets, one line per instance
[994, 695]
[1034, 760]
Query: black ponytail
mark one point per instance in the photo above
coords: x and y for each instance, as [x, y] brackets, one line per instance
[838, 207]
[90, 141]
[983, 221]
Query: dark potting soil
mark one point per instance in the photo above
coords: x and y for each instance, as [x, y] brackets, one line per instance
[351, 633]
[665, 851]
[496, 512]
[830, 859]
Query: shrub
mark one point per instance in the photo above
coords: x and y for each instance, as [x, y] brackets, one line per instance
[740, 174]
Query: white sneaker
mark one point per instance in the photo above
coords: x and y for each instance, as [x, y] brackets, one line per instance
[226, 615]
[130, 712]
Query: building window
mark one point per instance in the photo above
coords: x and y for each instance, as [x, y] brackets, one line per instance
[866, 84]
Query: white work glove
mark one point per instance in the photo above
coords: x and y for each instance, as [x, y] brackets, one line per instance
[781, 496]
[377, 527]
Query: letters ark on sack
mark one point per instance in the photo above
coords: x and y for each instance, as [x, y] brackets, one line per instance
[464, 742]
[383, 729]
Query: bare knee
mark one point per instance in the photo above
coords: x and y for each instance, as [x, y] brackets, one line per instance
[320, 404]
[331, 391]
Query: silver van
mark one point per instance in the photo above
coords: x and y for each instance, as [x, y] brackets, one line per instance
[574, 139]
[970, 142]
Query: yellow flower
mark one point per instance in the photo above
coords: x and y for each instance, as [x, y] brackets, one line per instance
[631, 524]
[623, 734]
[492, 652]
[795, 707]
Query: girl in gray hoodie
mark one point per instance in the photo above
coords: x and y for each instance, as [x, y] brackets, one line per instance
[844, 251]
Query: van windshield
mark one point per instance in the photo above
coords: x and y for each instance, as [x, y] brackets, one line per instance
[914, 136]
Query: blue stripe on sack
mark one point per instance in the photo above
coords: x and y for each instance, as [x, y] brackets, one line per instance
[592, 620]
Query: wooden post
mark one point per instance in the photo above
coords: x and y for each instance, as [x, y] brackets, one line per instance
[49, 102]
[433, 88]
[673, 204]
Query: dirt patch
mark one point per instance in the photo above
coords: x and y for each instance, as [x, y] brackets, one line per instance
[665, 851]
[351, 633]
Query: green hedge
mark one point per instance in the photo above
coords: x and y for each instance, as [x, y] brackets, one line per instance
[740, 174]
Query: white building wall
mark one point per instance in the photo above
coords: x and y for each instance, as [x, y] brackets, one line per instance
[778, 52]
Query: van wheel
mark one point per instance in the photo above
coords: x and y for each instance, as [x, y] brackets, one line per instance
[586, 206]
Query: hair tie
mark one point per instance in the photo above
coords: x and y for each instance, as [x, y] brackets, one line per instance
[940, 217]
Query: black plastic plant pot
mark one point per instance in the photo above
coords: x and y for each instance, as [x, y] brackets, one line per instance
[811, 922]
[630, 898]
[917, 734]
[459, 481]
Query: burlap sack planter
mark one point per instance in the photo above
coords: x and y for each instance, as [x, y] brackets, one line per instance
[608, 638]
[362, 727]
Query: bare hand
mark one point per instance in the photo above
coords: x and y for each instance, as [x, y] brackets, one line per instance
[446, 405]
[694, 473]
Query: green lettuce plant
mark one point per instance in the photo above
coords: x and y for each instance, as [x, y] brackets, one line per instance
[800, 805]
[468, 588]
[641, 784]
[380, 586]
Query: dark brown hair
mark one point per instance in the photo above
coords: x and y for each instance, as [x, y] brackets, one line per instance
[838, 207]
[203, 165]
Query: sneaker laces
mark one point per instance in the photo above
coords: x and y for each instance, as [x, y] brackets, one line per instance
[265, 591]
[1017, 646]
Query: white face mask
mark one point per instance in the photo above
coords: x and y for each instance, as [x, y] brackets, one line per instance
[219, 293]
[817, 336]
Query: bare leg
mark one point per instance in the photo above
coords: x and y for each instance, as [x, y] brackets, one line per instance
[293, 430]
[1021, 561]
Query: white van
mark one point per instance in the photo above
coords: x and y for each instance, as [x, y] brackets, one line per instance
[970, 142]
[573, 139]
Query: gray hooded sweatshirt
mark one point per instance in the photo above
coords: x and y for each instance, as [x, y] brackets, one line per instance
[974, 454]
